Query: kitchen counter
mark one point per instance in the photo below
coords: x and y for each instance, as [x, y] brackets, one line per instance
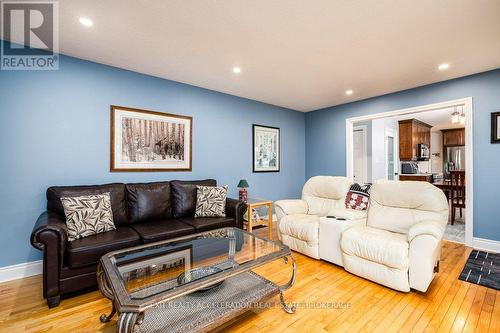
[419, 177]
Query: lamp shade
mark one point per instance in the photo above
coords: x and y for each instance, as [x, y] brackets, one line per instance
[243, 183]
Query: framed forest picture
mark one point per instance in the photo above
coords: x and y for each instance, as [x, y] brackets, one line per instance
[266, 149]
[144, 140]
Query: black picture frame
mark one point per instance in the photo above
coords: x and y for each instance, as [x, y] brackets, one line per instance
[256, 168]
[495, 128]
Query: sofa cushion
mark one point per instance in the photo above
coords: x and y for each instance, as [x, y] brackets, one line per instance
[162, 230]
[210, 201]
[209, 223]
[116, 192]
[301, 226]
[88, 215]
[148, 201]
[376, 245]
[396, 206]
[358, 196]
[184, 196]
[323, 193]
[88, 250]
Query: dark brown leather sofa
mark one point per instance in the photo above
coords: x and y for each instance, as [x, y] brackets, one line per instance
[142, 213]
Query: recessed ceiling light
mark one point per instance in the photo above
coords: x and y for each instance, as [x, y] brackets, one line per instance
[236, 70]
[349, 92]
[86, 22]
[443, 67]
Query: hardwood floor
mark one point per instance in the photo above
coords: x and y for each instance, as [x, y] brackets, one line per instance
[329, 299]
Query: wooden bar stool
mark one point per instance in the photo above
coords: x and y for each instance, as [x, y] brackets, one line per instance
[457, 193]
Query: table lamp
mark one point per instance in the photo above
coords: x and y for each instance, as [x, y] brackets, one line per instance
[243, 185]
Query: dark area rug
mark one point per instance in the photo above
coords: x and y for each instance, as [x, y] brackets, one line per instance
[482, 268]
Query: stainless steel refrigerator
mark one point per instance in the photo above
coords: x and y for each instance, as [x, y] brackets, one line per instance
[454, 159]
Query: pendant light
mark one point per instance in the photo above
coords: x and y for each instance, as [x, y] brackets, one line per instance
[455, 116]
[462, 117]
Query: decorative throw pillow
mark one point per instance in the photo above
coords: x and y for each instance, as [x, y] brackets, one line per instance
[358, 196]
[210, 201]
[88, 215]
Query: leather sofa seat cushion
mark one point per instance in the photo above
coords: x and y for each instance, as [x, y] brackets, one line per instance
[184, 196]
[148, 201]
[376, 245]
[162, 230]
[88, 250]
[209, 223]
[301, 226]
[116, 192]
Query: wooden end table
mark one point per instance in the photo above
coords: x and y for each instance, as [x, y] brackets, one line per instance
[253, 203]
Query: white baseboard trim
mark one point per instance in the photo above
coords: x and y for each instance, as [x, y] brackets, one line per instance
[20, 271]
[486, 244]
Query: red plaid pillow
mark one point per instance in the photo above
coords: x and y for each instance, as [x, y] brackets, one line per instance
[358, 196]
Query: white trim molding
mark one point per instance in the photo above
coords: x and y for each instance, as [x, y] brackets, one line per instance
[486, 244]
[469, 160]
[20, 271]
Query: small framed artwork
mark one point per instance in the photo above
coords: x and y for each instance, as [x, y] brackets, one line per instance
[266, 149]
[495, 127]
[144, 140]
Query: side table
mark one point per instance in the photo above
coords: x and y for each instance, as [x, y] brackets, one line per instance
[253, 203]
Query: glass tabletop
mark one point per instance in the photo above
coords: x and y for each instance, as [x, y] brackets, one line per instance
[145, 272]
[256, 200]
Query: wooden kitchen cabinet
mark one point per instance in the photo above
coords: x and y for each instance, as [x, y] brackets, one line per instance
[411, 133]
[454, 137]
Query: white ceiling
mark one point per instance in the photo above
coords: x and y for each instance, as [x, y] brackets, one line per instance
[293, 53]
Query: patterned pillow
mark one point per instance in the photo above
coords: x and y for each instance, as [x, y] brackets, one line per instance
[88, 215]
[358, 196]
[210, 201]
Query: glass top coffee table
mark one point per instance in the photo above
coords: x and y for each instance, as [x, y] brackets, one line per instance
[190, 284]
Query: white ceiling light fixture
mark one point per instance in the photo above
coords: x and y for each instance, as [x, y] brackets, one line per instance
[349, 92]
[444, 66]
[236, 70]
[86, 21]
[461, 119]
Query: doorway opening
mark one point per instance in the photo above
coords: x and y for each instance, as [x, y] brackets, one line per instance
[424, 143]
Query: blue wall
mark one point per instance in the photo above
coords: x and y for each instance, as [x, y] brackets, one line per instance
[54, 129]
[325, 137]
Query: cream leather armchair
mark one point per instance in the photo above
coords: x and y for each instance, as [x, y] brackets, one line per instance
[400, 244]
[298, 220]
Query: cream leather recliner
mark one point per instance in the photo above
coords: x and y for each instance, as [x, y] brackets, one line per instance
[298, 220]
[400, 244]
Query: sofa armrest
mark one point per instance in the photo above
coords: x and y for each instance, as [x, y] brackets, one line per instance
[349, 214]
[288, 207]
[50, 236]
[49, 230]
[429, 227]
[425, 247]
[236, 209]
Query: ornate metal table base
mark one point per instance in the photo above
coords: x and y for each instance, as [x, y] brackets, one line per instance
[193, 313]
[287, 308]
[105, 319]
